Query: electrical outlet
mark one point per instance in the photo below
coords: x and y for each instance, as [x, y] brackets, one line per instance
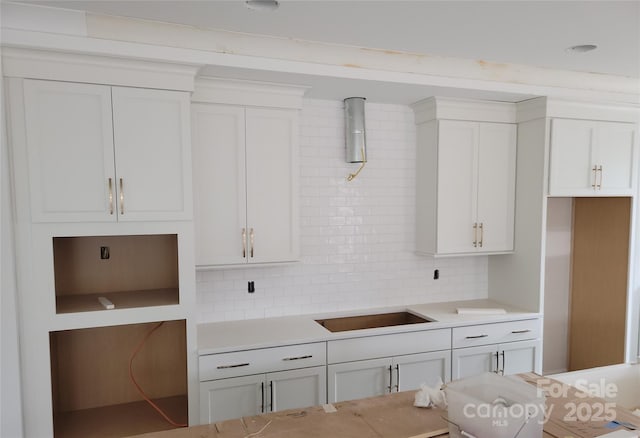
[104, 253]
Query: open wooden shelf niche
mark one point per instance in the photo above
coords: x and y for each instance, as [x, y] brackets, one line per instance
[92, 393]
[138, 271]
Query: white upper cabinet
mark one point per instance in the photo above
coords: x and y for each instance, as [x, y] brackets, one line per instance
[69, 138]
[245, 179]
[153, 154]
[465, 183]
[592, 158]
[98, 153]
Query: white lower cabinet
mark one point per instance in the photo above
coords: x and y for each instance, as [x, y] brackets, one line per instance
[477, 349]
[251, 382]
[513, 358]
[251, 395]
[369, 378]
[376, 365]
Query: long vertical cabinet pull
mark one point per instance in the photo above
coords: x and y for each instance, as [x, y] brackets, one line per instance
[497, 371]
[503, 362]
[111, 196]
[252, 241]
[475, 234]
[397, 377]
[595, 177]
[481, 234]
[121, 196]
[271, 397]
[262, 397]
[599, 185]
[244, 243]
[390, 379]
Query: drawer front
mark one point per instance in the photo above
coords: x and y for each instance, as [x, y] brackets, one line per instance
[484, 334]
[263, 360]
[371, 347]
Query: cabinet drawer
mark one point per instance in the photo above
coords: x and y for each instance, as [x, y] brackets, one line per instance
[264, 360]
[347, 350]
[485, 334]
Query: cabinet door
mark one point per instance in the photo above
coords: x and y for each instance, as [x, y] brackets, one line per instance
[457, 186]
[473, 360]
[615, 158]
[520, 357]
[572, 163]
[224, 399]
[70, 151]
[219, 184]
[152, 154]
[361, 379]
[271, 140]
[415, 369]
[297, 388]
[496, 186]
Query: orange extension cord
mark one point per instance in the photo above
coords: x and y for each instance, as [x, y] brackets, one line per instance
[133, 379]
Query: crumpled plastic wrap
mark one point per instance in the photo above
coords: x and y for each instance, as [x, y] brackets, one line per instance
[429, 396]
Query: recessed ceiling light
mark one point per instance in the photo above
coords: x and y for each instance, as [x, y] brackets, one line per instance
[262, 5]
[582, 48]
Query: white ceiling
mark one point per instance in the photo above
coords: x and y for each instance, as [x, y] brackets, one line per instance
[521, 32]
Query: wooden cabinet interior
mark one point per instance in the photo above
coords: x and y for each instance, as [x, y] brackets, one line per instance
[133, 271]
[92, 392]
[599, 281]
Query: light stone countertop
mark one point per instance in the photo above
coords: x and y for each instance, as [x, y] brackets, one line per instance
[228, 336]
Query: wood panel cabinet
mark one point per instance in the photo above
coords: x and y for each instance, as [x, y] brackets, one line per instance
[592, 158]
[465, 184]
[245, 184]
[100, 154]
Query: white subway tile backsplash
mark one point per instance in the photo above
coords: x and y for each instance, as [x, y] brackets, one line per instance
[357, 238]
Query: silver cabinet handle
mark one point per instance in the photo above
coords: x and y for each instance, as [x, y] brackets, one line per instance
[497, 363]
[397, 377]
[244, 243]
[111, 196]
[390, 378]
[595, 177]
[475, 234]
[308, 356]
[252, 240]
[238, 365]
[481, 234]
[503, 362]
[515, 332]
[121, 196]
[599, 185]
[477, 336]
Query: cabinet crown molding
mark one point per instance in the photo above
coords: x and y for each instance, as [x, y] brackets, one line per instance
[541, 107]
[72, 67]
[464, 109]
[251, 93]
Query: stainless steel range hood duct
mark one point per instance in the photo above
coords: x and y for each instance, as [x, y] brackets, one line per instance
[355, 132]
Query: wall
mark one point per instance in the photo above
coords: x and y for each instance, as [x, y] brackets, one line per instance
[11, 401]
[357, 238]
[557, 285]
